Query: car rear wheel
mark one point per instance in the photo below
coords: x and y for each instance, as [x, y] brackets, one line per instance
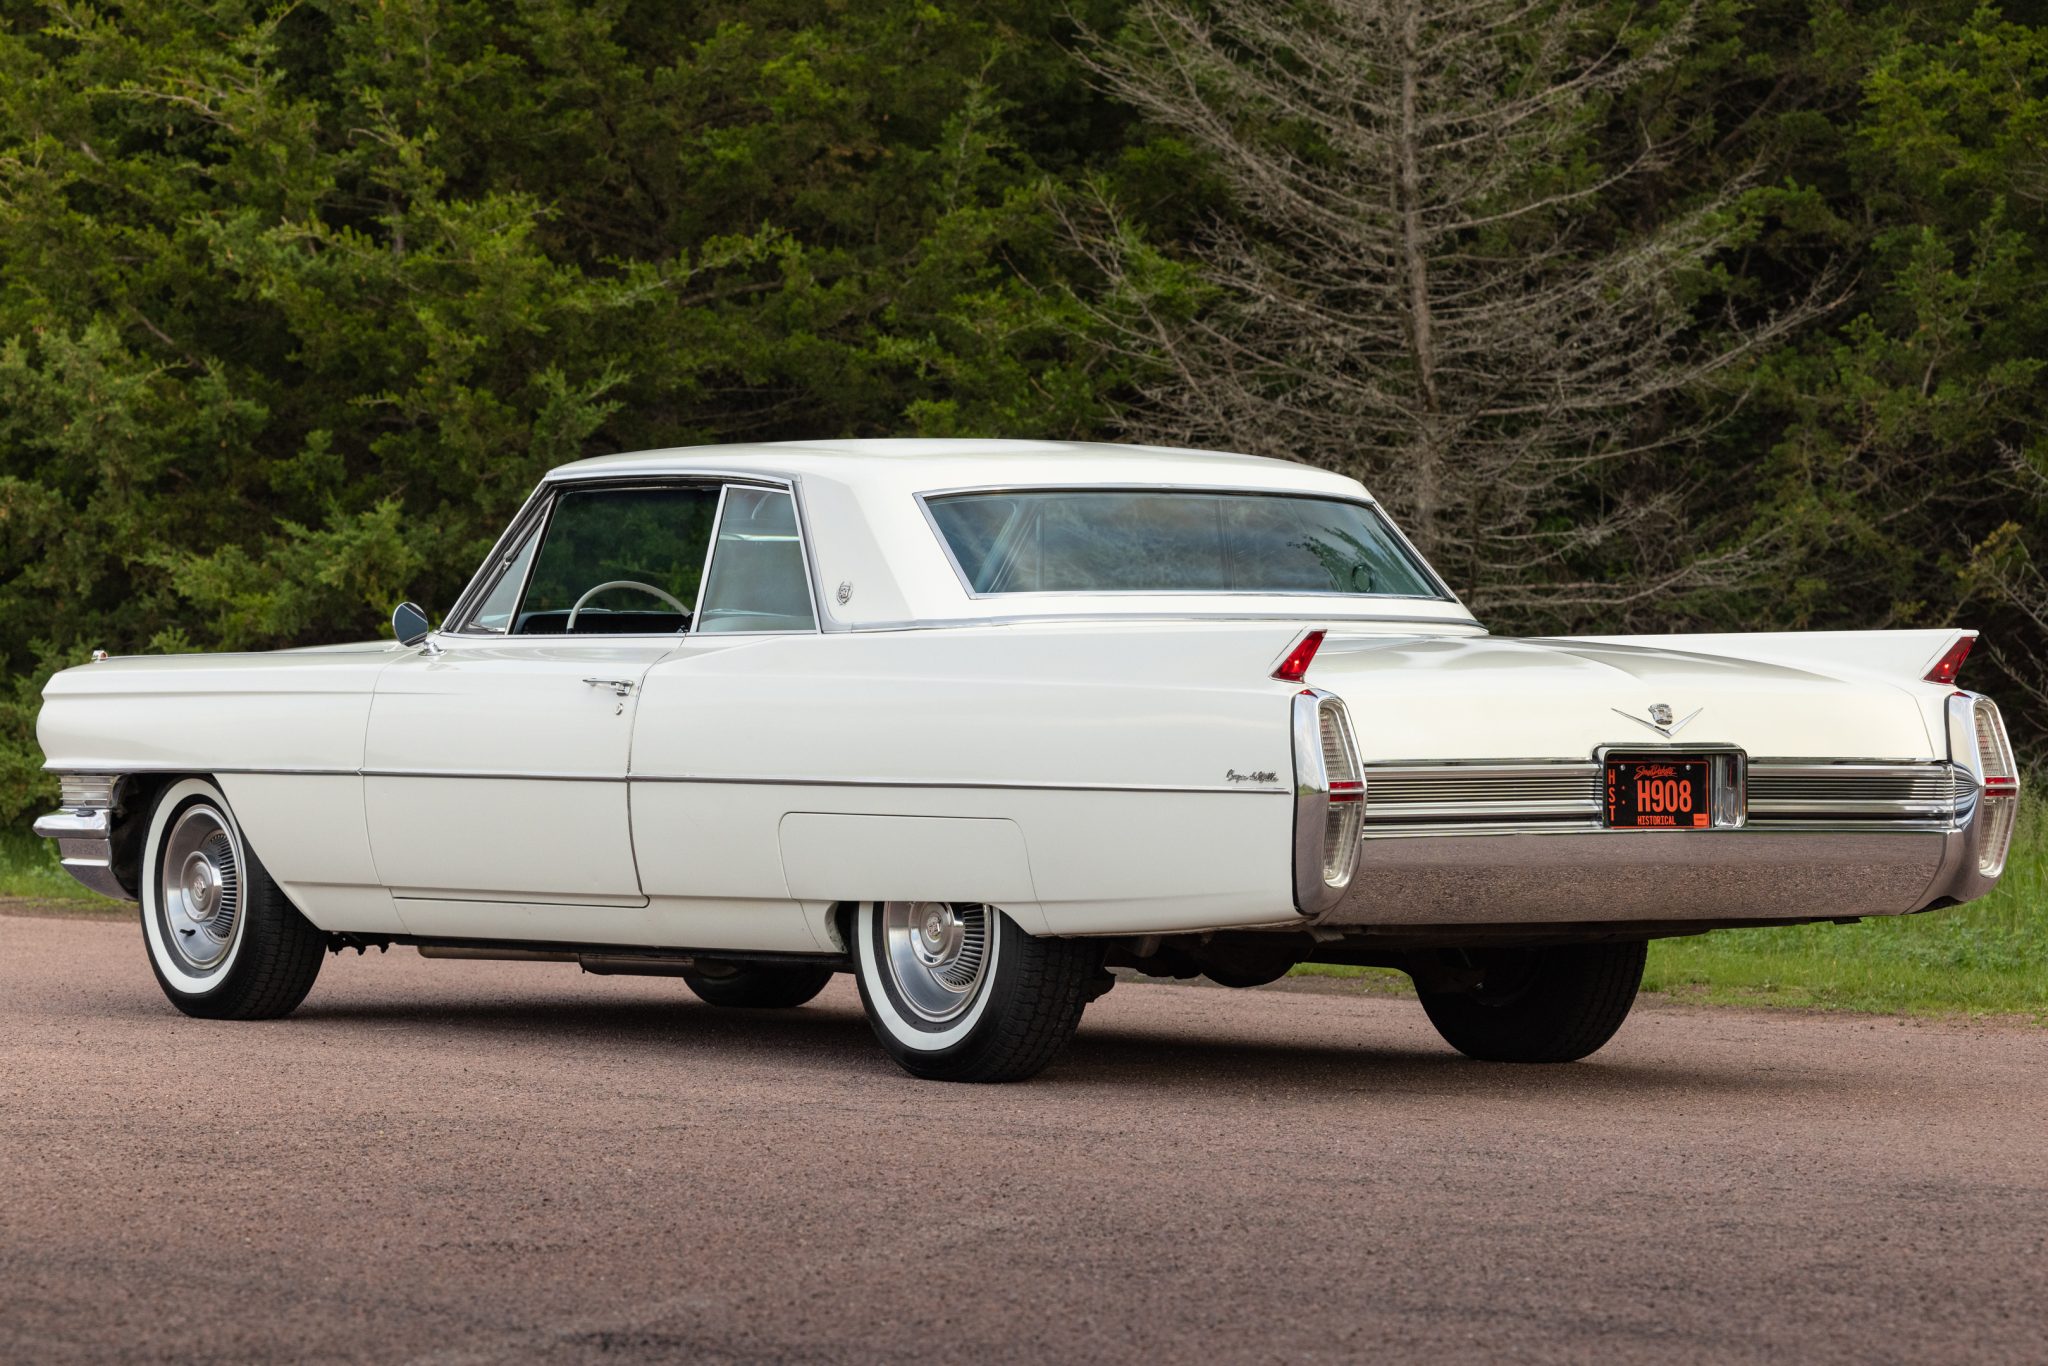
[757, 986]
[1554, 1004]
[957, 992]
[223, 941]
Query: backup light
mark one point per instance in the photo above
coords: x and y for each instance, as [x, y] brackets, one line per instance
[1344, 821]
[1977, 744]
[2001, 787]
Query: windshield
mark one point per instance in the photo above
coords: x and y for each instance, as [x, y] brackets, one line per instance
[1172, 541]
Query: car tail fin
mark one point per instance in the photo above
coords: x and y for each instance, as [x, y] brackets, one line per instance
[1951, 662]
[1295, 666]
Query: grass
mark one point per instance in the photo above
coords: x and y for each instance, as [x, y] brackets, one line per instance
[29, 871]
[1987, 958]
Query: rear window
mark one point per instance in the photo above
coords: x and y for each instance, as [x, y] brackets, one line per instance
[1170, 541]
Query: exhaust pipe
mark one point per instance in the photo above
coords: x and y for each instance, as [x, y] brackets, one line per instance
[598, 964]
[500, 955]
[612, 965]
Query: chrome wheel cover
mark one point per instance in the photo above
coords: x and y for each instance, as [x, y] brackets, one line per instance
[936, 955]
[199, 887]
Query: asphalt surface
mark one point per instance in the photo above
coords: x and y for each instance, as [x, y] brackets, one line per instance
[477, 1162]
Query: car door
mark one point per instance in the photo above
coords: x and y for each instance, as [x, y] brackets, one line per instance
[706, 846]
[496, 757]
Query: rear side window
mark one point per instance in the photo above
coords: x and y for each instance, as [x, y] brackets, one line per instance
[1173, 541]
[757, 580]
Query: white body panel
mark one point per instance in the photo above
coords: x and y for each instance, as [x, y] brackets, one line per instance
[282, 732]
[1109, 747]
[1092, 763]
[496, 772]
[1437, 698]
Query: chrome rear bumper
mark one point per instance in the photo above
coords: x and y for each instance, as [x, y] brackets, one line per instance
[85, 848]
[1773, 868]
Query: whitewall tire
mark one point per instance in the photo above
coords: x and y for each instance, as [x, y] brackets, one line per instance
[956, 992]
[223, 941]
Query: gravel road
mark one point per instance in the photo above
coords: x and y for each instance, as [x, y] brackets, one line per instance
[478, 1162]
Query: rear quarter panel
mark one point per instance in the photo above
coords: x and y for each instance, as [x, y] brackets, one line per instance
[1108, 748]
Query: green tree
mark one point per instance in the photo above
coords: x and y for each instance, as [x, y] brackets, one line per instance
[296, 303]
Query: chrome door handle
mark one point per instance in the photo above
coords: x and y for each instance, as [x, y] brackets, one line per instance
[619, 686]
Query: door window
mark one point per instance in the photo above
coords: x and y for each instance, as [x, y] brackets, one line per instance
[619, 562]
[758, 581]
[494, 613]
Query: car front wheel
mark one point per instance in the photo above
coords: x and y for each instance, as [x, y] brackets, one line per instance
[1554, 1004]
[957, 992]
[223, 941]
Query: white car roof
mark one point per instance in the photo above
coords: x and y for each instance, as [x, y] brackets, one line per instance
[927, 464]
[872, 544]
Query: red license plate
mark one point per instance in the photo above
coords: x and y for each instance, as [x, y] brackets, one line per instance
[1664, 793]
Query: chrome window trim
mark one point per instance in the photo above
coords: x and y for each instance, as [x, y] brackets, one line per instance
[803, 547]
[468, 599]
[1428, 571]
[541, 503]
[803, 540]
[710, 549]
[543, 519]
[1332, 620]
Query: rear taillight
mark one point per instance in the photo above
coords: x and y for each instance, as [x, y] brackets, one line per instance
[2001, 787]
[1329, 801]
[1978, 742]
[1294, 667]
[1951, 663]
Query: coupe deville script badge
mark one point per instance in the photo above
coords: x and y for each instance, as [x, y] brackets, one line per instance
[1660, 718]
[1264, 775]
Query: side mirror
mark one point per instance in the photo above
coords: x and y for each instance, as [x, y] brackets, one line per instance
[409, 623]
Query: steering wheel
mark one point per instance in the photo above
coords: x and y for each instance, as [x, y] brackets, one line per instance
[634, 584]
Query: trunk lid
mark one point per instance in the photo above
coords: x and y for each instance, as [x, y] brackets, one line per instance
[1430, 699]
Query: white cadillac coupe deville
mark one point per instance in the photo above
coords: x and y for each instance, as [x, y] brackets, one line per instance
[977, 720]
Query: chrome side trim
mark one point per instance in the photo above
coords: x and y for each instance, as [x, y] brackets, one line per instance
[743, 780]
[501, 775]
[962, 785]
[191, 768]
